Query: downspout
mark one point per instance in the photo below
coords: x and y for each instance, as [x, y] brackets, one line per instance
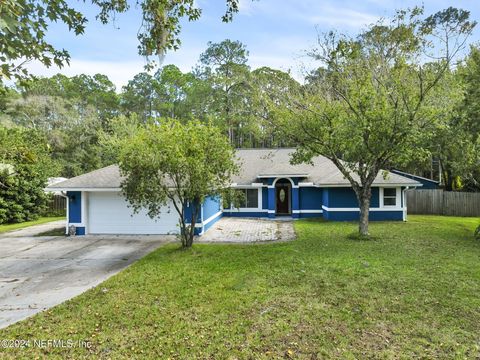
[62, 194]
[404, 198]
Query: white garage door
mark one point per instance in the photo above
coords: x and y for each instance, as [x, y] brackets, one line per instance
[108, 213]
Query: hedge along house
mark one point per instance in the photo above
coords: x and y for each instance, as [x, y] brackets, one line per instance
[270, 187]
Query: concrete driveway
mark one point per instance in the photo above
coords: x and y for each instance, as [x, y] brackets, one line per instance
[37, 273]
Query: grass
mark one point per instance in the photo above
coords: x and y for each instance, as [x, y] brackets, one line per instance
[412, 292]
[17, 226]
[54, 232]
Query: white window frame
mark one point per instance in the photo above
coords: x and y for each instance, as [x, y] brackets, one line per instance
[243, 209]
[398, 198]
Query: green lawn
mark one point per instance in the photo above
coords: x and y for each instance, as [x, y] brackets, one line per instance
[412, 292]
[16, 226]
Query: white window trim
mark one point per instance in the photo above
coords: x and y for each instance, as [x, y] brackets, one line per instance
[398, 198]
[248, 209]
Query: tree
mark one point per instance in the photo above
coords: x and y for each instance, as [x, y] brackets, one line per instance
[373, 103]
[139, 97]
[24, 28]
[172, 88]
[84, 91]
[270, 89]
[183, 164]
[25, 165]
[468, 124]
[225, 68]
[72, 133]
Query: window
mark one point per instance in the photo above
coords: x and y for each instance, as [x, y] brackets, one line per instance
[389, 197]
[248, 198]
[241, 199]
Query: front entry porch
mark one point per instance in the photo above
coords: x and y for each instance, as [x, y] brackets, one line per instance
[283, 198]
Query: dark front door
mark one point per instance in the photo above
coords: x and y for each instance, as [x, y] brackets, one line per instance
[283, 199]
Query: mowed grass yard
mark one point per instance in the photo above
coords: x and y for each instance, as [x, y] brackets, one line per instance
[413, 291]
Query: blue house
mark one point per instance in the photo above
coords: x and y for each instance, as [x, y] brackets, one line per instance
[269, 187]
[427, 184]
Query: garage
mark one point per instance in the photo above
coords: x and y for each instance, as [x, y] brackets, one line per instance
[108, 213]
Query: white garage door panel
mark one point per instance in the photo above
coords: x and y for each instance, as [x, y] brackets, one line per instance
[108, 213]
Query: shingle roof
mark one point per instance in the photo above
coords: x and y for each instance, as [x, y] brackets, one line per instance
[104, 178]
[258, 162]
[255, 164]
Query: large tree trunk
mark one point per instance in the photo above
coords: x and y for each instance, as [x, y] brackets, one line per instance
[363, 221]
[191, 234]
[363, 197]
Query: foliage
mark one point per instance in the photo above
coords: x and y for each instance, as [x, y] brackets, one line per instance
[23, 31]
[72, 130]
[477, 233]
[372, 103]
[171, 162]
[24, 28]
[26, 164]
[82, 91]
[166, 94]
[320, 296]
[224, 66]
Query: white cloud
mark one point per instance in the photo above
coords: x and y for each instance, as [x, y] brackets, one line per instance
[333, 16]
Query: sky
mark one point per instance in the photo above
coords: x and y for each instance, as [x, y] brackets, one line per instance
[277, 34]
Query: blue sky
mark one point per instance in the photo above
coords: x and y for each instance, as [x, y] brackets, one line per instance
[276, 32]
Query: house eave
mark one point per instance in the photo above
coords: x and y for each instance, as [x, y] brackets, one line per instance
[83, 189]
[331, 185]
[264, 176]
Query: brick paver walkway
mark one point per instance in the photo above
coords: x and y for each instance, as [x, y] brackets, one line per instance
[247, 230]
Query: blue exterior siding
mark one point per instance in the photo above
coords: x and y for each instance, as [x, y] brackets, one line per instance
[74, 207]
[211, 207]
[342, 198]
[245, 214]
[375, 200]
[80, 230]
[325, 197]
[426, 183]
[353, 215]
[271, 202]
[311, 198]
[188, 213]
[311, 215]
[211, 223]
[346, 198]
[264, 198]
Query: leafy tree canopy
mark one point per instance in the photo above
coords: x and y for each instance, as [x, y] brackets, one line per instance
[182, 164]
[24, 28]
[373, 101]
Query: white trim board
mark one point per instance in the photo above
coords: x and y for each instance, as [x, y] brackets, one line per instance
[86, 189]
[281, 176]
[205, 222]
[358, 209]
[373, 185]
[211, 218]
[307, 211]
[241, 210]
